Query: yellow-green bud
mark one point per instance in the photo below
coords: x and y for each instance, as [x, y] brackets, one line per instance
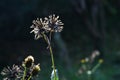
[101, 60]
[35, 70]
[82, 60]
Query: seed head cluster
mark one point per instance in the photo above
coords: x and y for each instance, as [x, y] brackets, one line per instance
[46, 25]
[17, 72]
[11, 72]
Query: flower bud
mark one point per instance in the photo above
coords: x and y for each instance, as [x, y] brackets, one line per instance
[101, 60]
[82, 61]
[29, 61]
[36, 69]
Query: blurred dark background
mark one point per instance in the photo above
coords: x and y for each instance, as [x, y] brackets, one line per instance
[88, 25]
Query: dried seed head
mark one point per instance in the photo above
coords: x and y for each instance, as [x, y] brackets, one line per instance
[35, 70]
[38, 28]
[29, 61]
[55, 24]
[11, 73]
[50, 24]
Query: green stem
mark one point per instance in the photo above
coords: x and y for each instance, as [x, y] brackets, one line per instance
[24, 73]
[94, 69]
[30, 77]
[51, 53]
[53, 64]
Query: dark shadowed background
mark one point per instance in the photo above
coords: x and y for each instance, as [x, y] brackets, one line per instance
[88, 25]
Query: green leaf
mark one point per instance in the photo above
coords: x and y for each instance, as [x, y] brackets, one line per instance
[54, 76]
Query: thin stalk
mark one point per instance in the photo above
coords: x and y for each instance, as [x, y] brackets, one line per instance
[94, 69]
[52, 58]
[24, 73]
[51, 53]
[30, 77]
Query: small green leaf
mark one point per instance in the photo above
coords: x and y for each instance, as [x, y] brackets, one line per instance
[54, 76]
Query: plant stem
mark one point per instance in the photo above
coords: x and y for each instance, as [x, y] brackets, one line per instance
[93, 70]
[53, 64]
[30, 77]
[51, 53]
[24, 73]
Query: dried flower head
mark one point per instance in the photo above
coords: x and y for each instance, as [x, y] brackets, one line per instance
[50, 24]
[11, 73]
[28, 62]
[38, 28]
[35, 69]
[54, 24]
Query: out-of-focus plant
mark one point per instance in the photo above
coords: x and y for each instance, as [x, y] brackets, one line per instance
[87, 65]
